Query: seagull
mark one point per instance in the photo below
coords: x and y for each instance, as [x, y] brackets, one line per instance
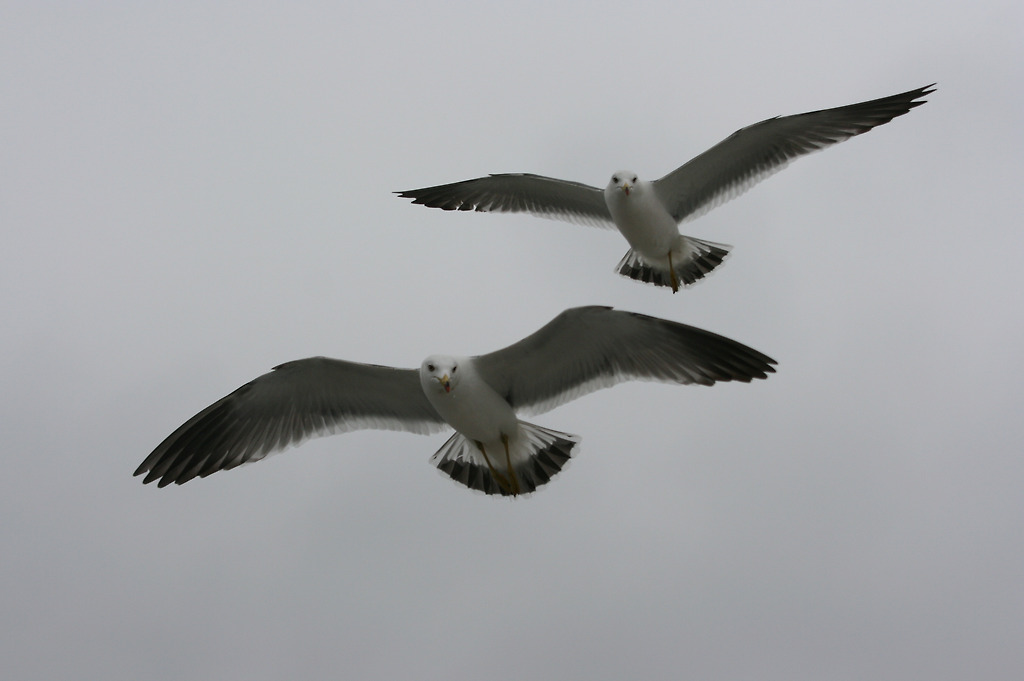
[648, 213]
[581, 350]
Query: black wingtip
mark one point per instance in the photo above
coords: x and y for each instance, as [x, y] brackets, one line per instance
[921, 92]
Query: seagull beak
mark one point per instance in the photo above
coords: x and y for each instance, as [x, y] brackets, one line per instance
[626, 188]
[446, 382]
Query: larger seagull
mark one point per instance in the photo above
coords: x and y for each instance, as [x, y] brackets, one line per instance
[579, 351]
[648, 213]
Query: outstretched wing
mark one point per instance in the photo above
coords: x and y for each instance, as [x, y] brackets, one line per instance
[751, 154]
[296, 401]
[587, 348]
[545, 197]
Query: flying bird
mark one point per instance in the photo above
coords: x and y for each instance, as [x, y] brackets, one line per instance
[648, 213]
[581, 350]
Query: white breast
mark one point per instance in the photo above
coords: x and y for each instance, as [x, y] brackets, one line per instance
[473, 408]
[642, 219]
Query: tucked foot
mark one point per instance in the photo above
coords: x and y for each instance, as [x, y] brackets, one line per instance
[672, 274]
[513, 480]
[503, 483]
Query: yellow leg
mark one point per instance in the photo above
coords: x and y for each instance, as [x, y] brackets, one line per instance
[672, 274]
[508, 465]
[502, 482]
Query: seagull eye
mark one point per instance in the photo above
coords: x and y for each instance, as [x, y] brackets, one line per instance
[634, 179]
[615, 179]
[431, 367]
[455, 368]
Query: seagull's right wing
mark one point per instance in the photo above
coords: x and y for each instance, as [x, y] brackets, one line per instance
[587, 348]
[296, 401]
[544, 197]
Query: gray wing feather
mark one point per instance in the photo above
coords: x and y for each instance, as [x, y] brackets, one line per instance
[520, 193]
[588, 348]
[751, 154]
[296, 401]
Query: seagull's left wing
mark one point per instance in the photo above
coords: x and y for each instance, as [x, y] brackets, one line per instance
[587, 348]
[544, 197]
[751, 154]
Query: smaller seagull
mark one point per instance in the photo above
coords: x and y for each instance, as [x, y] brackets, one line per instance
[581, 350]
[648, 213]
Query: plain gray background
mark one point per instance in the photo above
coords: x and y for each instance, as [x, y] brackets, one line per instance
[192, 194]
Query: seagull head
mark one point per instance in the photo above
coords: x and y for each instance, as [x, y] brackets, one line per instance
[624, 181]
[439, 373]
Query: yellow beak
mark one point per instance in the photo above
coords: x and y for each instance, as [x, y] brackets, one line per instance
[446, 382]
[626, 188]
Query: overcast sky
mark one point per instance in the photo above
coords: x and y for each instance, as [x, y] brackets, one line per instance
[194, 193]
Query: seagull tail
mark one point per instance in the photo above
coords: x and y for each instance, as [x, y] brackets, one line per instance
[693, 259]
[538, 454]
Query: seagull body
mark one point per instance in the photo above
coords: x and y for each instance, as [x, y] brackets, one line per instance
[492, 450]
[468, 403]
[640, 216]
[648, 213]
[654, 236]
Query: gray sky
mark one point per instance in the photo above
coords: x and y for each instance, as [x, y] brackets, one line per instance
[191, 195]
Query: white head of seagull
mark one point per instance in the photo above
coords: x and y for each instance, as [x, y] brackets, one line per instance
[624, 181]
[438, 373]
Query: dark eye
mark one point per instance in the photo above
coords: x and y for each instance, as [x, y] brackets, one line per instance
[634, 179]
[455, 368]
[430, 367]
[615, 179]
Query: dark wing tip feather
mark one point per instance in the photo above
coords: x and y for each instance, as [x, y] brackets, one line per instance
[212, 440]
[441, 196]
[715, 357]
[882, 110]
[467, 195]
